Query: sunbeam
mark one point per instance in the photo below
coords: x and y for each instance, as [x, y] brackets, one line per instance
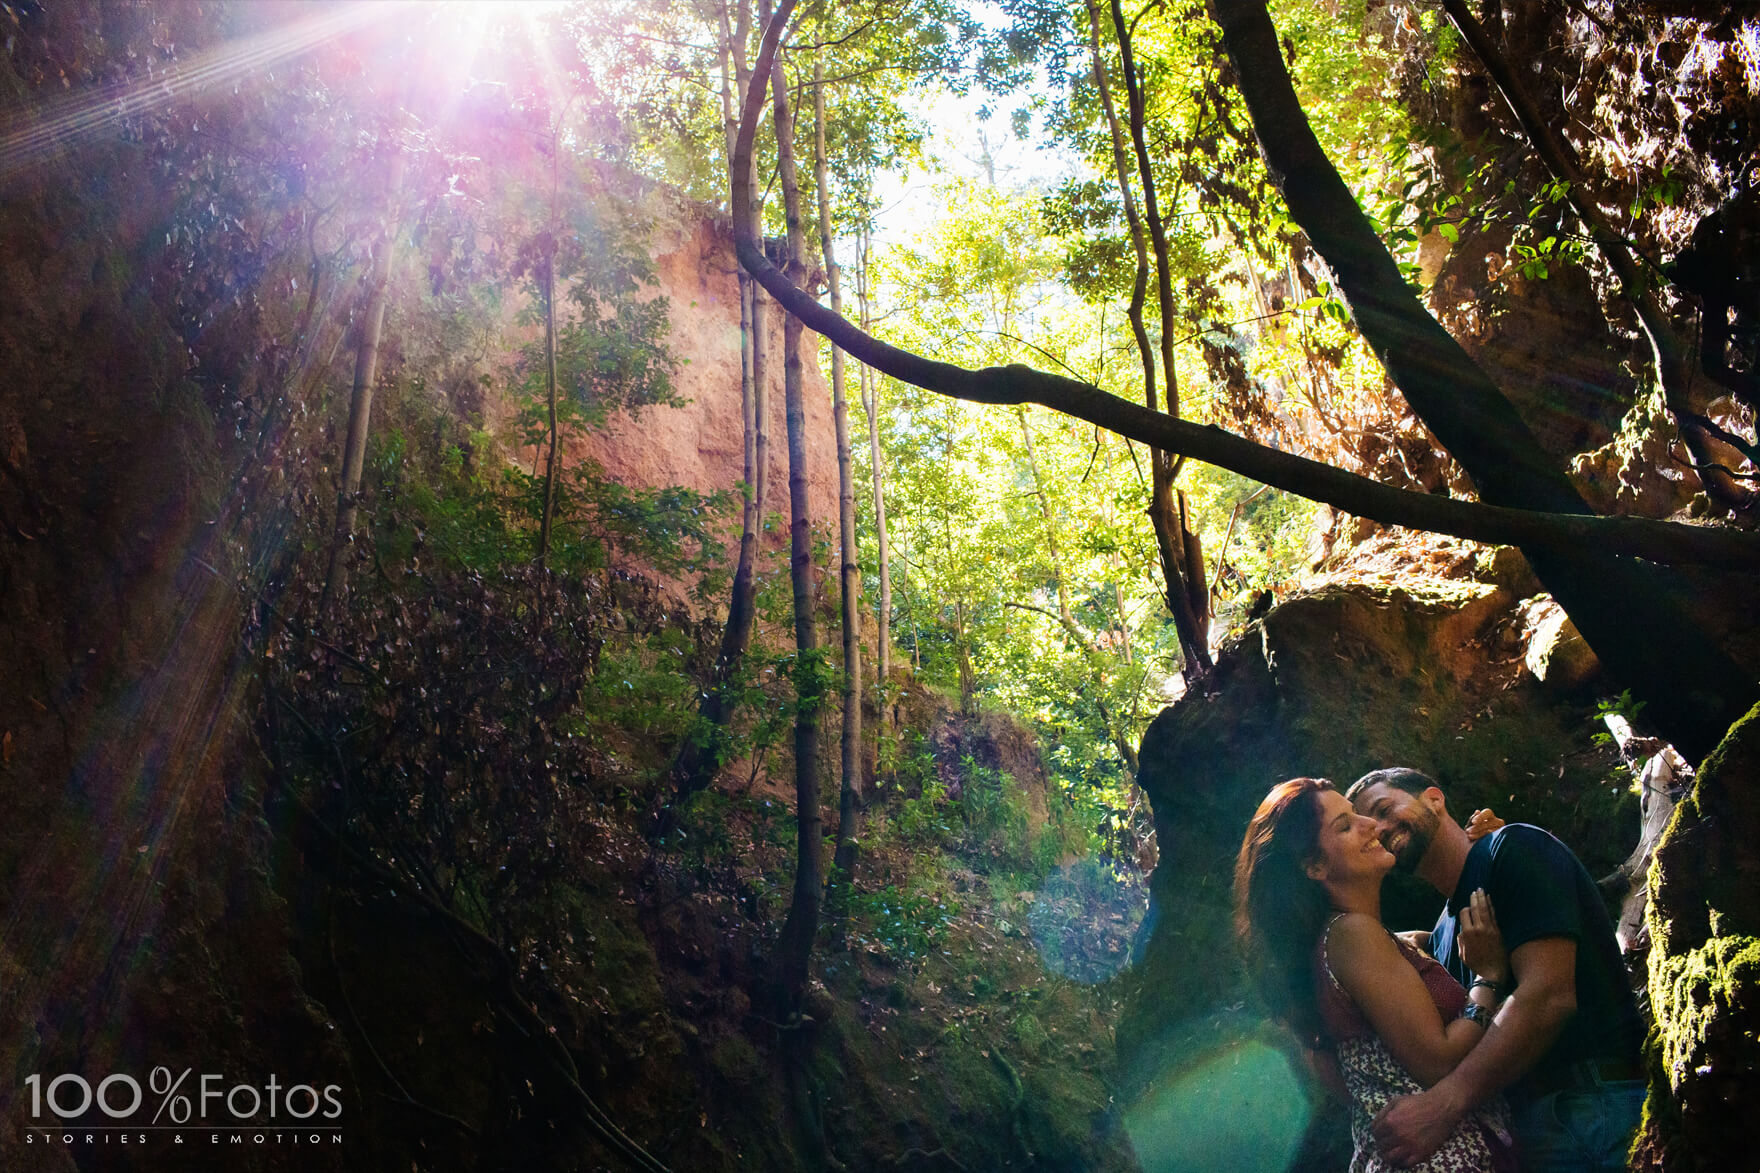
[82, 116]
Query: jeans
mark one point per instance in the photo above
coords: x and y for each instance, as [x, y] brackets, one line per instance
[1579, 1130]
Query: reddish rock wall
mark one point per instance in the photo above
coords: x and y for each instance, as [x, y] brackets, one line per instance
[700, 445]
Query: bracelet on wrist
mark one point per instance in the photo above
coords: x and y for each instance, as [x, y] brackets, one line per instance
[1482, 1015]
[1498, 989]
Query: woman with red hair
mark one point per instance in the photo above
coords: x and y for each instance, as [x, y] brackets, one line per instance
[1308, 912]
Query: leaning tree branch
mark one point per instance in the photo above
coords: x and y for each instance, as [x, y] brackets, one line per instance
[1657, 541]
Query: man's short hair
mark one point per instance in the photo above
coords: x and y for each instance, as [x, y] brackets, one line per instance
[1399, 777]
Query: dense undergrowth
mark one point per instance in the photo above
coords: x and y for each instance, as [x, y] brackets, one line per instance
[490, 745]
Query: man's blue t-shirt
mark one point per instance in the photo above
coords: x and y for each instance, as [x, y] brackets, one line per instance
[1539, 889]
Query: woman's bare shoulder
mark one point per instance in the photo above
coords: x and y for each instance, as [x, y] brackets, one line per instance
[1353, 928]
[1355, 938]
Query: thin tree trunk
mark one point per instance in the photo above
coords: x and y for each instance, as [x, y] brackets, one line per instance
[360, 404]
[736, 635]
[798, 931]
[1169, 538]
[910, 605]
[849, 811]
[1063, 611]
[549, 263]
[701, 757]
[871, 405]
[1197, 585]
[1133, 88]
[760, 334]
[1191, 623]
[1124, 631]
[968, 676]
[1121, 741]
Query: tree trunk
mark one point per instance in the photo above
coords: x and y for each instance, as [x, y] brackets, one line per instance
[1626, 612]
[796, 945]
[360, 404]
[1045, 515]
[702, 756]
[1169, 538]
[760, 337]
[549, 263]
[849, 811]
[968, 676]
[1197, 584]
[870, 383]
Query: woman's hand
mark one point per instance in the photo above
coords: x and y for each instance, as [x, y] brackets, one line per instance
[1481, 942]
[1483, 823]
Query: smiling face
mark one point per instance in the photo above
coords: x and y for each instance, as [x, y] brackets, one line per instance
[1406, 823]
[1349, 846]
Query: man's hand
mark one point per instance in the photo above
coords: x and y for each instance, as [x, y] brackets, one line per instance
[1481, 941]
[1418, 939]
[1411, 1128]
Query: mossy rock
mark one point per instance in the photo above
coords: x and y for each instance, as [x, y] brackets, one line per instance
[1029, 1035]
[1705, 965]
[737, 1061]
[621, 956]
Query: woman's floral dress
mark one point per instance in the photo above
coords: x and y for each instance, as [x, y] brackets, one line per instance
[1480, 1144]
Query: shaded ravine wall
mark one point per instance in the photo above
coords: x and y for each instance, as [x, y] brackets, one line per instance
[141, 921]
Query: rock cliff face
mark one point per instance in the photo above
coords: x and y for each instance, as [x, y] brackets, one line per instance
[700, 445]
[1433, 674]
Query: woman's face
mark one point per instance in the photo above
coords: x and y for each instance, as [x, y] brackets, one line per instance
[1349, 846]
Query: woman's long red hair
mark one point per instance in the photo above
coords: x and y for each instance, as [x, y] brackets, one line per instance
[1279, 910]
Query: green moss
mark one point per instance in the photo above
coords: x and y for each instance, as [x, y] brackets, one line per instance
[737, 1061]
[1692, 991]
[621, 956]
[1029, 1034]
[1444, 592]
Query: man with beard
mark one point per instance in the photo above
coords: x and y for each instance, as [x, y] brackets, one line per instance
[1565, 1042]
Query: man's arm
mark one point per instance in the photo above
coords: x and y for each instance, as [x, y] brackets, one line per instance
[1411, 1128]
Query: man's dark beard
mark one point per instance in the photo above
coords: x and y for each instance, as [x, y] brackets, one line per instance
[1420, 830]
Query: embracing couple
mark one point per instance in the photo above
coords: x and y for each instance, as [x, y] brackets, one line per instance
[1506, 1038]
